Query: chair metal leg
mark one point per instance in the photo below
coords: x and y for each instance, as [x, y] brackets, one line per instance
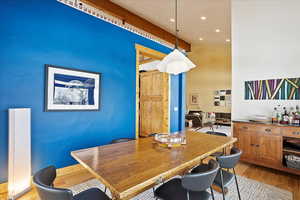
[212, 193]
[222, 182]
[105, 189]
[236, 183]
[188, 195]
[153, 189]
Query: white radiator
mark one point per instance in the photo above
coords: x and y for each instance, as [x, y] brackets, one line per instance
[19, 152]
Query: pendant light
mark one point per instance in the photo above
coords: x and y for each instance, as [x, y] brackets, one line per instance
[175, 62]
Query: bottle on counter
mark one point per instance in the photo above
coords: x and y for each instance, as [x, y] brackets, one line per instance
[297, 116]
[275, 116]
[291, 115]
[279, 114]
[285, 116]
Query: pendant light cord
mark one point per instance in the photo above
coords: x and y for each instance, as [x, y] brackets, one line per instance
[176, 25]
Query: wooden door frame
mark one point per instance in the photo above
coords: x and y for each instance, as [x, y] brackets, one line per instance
[159, 56]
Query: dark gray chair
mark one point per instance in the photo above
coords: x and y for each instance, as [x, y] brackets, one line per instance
[218, 134]
[43, 180]
[225, 177]
[120, 140]
[190, 186]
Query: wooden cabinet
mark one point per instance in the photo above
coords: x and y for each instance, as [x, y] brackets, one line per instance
[259, 143]
[269, 149]
[262, 144]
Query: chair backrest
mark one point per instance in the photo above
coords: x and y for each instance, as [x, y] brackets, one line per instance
[230, 161]
[43, 180]
[120, 140]
[202, 180]
[216, 133]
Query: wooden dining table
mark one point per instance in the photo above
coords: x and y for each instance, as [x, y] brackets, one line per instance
[130, 168]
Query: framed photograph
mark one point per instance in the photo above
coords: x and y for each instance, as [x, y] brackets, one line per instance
[71, 89]
[194, 99]
[222, 92]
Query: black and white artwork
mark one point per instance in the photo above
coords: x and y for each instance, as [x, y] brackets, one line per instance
[222, 98]
[70, 90]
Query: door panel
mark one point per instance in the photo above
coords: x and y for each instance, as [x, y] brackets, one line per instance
[270, 149]
[157, 84]
[154, 97]
[145, 123]
[247, 145]
[157, 117]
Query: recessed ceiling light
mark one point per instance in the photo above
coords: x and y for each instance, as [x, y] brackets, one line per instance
[203, 18]
[218, 30]
[200, 39]
[172, 20]
[227, 40]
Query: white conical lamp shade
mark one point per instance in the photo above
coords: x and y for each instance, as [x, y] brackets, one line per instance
[175, 63]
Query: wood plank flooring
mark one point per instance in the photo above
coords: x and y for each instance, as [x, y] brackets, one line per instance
[269, 176]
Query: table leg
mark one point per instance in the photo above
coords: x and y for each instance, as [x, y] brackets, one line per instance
[114, 196]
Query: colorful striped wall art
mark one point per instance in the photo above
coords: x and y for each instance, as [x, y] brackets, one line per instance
[274, 89]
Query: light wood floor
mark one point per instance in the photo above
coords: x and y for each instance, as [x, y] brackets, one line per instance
[272, 177]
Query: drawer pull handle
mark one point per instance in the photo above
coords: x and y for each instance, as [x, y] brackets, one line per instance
[296, 133]
[257, 145]
[245, 127]
[268, 130]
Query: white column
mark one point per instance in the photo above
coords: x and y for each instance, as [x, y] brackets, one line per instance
[19, 152]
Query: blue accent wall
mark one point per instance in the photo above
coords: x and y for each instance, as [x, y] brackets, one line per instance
[177, 121]
[182, 103]
[34, 33]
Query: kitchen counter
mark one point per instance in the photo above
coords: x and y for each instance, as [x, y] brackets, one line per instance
[264, 123]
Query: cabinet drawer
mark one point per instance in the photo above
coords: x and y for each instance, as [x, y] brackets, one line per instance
[269, 129]
[245, 127]
[291, 132]
[257, 128]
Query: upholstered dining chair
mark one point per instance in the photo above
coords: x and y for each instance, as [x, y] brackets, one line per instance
[190, 186]
[224, 176]
[218, 134]
[43, 180]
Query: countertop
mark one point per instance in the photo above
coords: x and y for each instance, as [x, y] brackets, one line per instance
[264, 123]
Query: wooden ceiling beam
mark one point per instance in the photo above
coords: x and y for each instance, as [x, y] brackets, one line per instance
[137, 21]
[147, 61]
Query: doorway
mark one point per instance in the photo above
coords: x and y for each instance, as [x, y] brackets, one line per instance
[152, 93]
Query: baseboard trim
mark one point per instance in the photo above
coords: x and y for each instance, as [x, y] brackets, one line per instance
[60, 172]
[3, 188]
[68, 170]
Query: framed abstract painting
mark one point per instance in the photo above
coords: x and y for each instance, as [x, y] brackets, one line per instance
[273, 89]
[71, 89]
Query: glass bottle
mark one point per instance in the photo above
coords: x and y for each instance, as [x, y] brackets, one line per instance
[285, 116]
[275, 116]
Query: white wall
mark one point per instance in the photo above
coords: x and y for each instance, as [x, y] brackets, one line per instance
[265, 45]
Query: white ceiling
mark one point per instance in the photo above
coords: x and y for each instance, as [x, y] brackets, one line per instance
[190, 12]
